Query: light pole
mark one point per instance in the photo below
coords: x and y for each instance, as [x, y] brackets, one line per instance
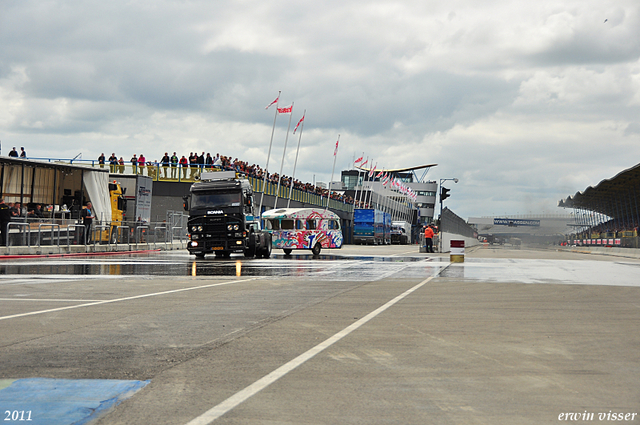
[455, 180]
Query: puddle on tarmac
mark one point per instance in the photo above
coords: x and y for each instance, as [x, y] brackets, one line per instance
[181, 265]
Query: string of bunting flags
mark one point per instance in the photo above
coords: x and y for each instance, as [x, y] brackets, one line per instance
[386, 179]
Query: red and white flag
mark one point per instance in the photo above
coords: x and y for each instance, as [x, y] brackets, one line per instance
[335, 152]
[273, 103]
[373, 170]
[364, 163]
[285, 110]
[358, 161]
[380, 173]
[298, 125]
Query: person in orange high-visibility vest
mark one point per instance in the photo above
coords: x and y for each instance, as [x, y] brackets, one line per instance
[428, 238]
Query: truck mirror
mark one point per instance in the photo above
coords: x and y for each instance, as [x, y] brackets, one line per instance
[185, 203]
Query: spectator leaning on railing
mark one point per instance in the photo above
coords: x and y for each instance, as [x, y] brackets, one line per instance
[195, 164]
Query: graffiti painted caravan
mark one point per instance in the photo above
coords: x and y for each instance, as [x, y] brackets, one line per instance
[303, 228]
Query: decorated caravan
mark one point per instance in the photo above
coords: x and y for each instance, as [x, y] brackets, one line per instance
[303, 228]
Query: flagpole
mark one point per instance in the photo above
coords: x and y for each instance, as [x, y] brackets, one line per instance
[335, 155]
[355, 194]
[384, 198]
[385, 191]
[295, 163]
[275, 204]
[363, 179]
[388, 205]
[372, 175]
[266, 169]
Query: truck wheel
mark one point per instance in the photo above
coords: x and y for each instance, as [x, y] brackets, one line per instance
[266, 252]
[316, 249]
[287, 251]
[250, 252]
[200, 255]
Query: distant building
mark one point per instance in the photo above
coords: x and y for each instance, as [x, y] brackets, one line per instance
[524, 226]
[370, 191]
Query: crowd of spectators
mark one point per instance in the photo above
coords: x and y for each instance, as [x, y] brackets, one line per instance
[191, 167]
[17, 210]
[611, 228]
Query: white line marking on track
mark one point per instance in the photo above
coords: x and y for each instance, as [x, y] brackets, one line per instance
[412, 252]
[49, 300]
[238, 398]
[135, 297]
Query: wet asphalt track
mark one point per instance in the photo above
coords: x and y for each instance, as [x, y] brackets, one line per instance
[399, 337]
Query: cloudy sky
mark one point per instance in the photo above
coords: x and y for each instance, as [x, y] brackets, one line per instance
[524, 102]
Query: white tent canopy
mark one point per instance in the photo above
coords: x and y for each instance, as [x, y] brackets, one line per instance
[97, 185]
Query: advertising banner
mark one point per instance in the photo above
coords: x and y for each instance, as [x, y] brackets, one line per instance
[514, 222]
[143, 199]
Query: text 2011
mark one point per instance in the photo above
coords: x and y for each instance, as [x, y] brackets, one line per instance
[17, 415]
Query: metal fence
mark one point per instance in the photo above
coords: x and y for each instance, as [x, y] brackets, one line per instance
[451, 223]
[32, 232]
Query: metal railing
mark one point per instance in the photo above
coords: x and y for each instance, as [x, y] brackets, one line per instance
[52, 226]
[121, 235]
[451, 223]
[75, 235]
[190, 174]
[59, 232]
[21, 227]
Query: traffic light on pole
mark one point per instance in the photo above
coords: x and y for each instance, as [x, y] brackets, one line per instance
[444, 193]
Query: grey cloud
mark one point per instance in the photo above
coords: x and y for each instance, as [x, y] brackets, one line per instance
[595, 42]
[632, 129]
[407, 82]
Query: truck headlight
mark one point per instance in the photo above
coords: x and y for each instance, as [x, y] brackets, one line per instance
[199, 228]
[194, 228]
[230, 227]
[236, 227]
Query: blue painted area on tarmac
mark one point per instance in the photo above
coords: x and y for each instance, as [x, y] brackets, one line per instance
[62, 401]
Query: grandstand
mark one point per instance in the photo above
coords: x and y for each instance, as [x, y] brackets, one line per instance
[609, 213]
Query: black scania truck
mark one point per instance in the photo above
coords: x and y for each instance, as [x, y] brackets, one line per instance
[221, 217]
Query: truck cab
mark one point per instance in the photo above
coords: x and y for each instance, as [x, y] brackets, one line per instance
[400, 232]
[221, 218]
[109, 233]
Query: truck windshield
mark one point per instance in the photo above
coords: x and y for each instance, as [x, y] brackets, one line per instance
[216, 200]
